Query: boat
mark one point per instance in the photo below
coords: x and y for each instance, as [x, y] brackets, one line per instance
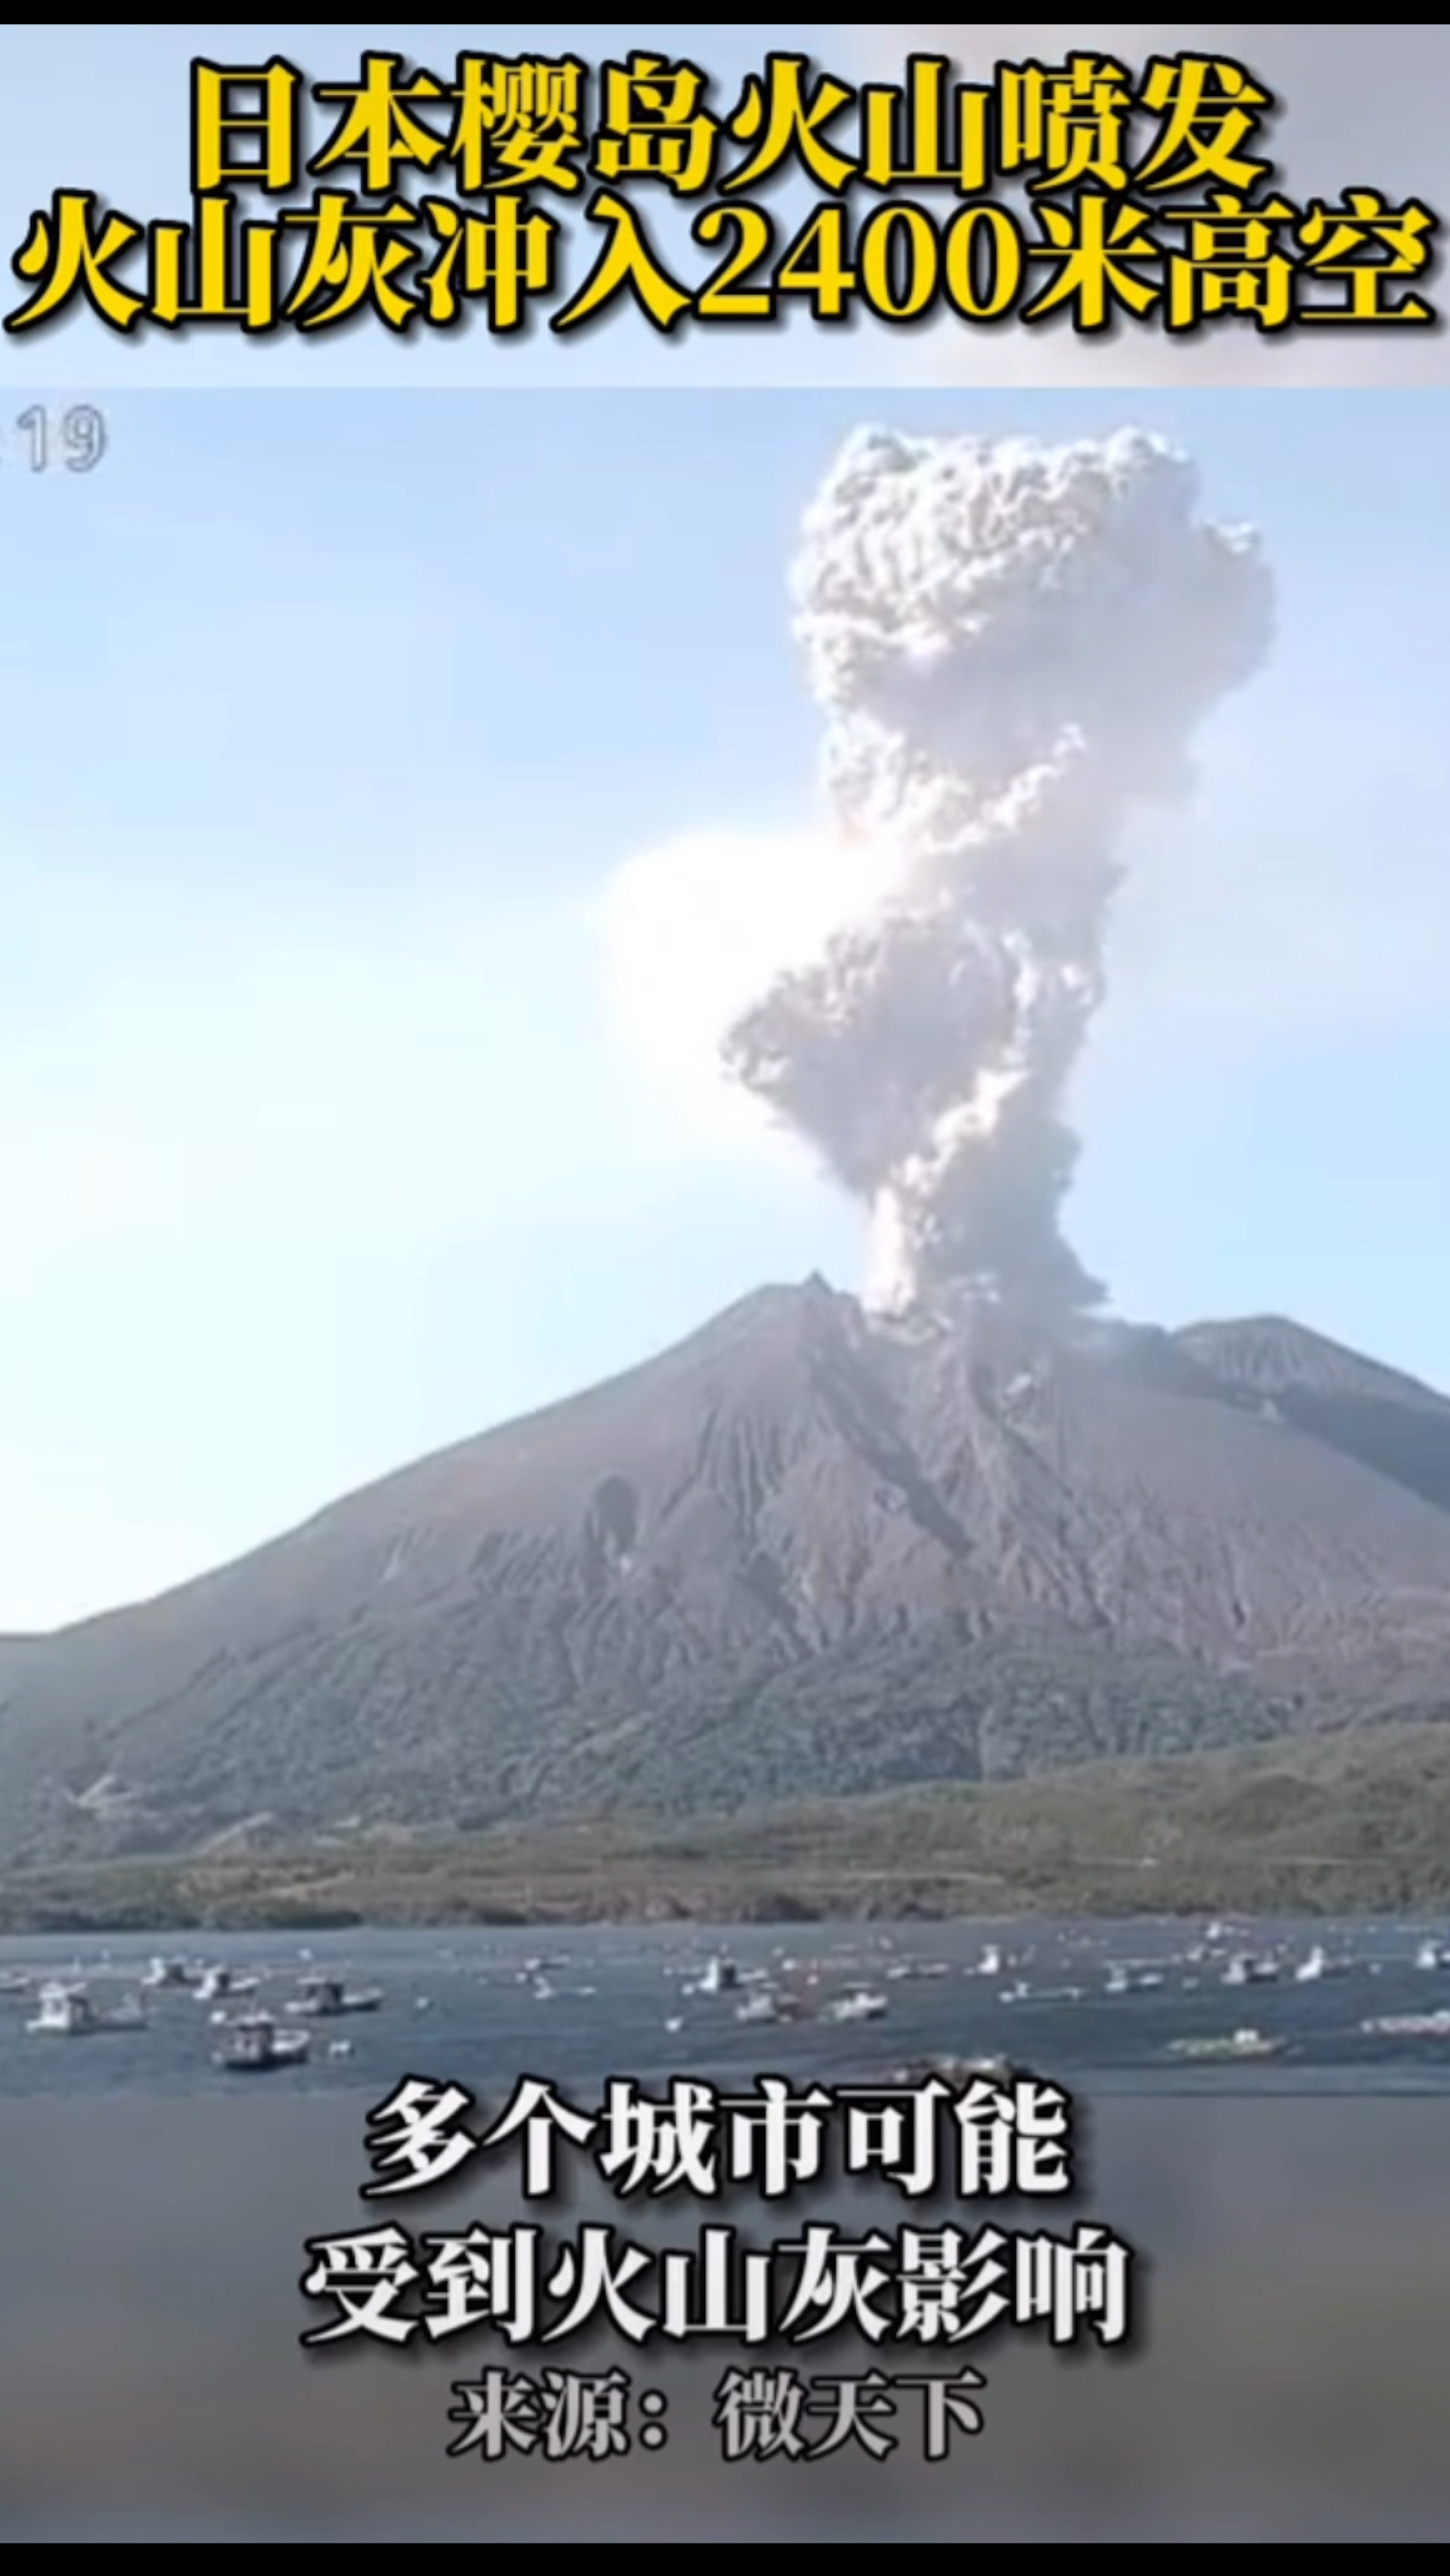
[766, 2006]
[254, 2046]
[1317, 1965]
[168, 1973]
[758, 2007]
[990, 1962]
[15, 1982]
[215, 1985]
[721, 1977]
[1435, 2025]
[67, 2012]
[1133, 1981]
[1242, 1970]
[860, 2006]
[1430, 1955]
[323, 1998]
[1233, 2044]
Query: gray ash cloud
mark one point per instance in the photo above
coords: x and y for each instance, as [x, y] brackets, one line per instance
[1012, 645]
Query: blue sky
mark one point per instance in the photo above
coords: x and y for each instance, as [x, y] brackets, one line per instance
[354, 1085]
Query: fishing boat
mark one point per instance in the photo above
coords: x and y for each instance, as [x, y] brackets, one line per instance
[168, 1973]
[1243, 1970]
[766, 2005]
[216, 1985]
[1319, 1964]
[861, 2006]
[1133, 1981]
[323, 1998]
[532, 1968]
[961, 2071]
[254, 2045]
[759, 2007]
[67, 2012]
[1233, 2044]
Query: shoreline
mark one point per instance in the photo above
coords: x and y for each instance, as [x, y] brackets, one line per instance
[96, 1915]
[1337, 1825]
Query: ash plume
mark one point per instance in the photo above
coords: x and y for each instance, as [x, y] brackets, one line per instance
[1012, 645]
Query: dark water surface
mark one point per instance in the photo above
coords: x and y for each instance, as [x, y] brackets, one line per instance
[1292, 2220]
[467, 2006]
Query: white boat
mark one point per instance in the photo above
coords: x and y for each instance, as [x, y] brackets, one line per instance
[858, 2007]
[254, 2046]
[67, 2012]
[1317, 1965]
[1242, 1970]
[1430, 1955]
[168, 1973]
[990, 1962]
[961, 2071]
[1133, 1981]
[1435, 2025]
[215, 1985]
[323, 1998]
[14, 1982]
[758, 2007]
[767, 2006]
[721, 1977]
[1235, 2044]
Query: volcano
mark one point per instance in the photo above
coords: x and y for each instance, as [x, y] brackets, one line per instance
[803, 1553]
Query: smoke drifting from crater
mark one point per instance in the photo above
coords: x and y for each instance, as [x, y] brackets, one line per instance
[1013, 645]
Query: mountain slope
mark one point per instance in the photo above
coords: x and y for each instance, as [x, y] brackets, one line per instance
[795, 1555]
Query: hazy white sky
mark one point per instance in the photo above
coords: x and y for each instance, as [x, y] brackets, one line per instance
[397, 788]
